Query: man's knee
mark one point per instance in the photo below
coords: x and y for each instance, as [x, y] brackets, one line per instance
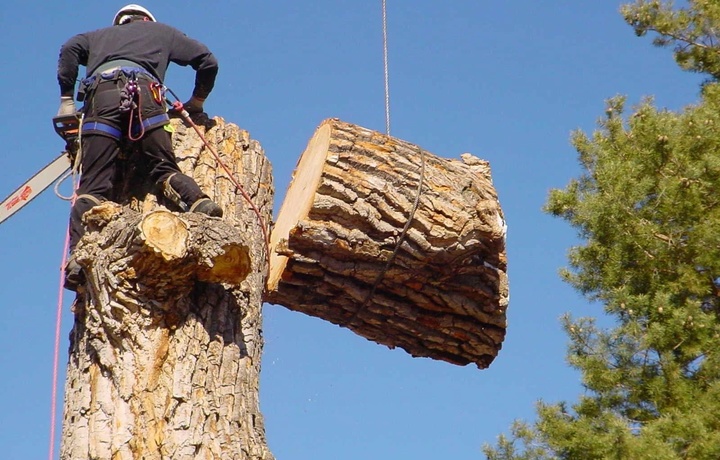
[83, 203]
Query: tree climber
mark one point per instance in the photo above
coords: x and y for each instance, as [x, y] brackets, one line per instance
[124, 102]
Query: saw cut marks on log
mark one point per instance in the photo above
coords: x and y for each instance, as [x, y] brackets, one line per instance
[402, 247]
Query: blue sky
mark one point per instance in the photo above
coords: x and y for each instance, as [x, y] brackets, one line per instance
[507, 81]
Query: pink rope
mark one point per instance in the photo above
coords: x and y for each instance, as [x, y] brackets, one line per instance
[58, 323]
[178, 106]
[56, 356]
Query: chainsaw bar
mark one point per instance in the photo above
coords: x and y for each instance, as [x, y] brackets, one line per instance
[34, 186]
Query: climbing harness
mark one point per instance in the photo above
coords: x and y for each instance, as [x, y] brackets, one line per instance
[133, 80]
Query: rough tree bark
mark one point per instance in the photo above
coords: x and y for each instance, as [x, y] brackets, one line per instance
[375, 234]
[166, 345]
[398, 245]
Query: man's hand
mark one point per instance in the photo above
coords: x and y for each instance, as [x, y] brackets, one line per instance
[194, 105]
[195, 111]
[67, 106]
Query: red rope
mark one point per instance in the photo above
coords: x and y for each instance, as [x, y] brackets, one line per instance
[130, 118]
[178, 106]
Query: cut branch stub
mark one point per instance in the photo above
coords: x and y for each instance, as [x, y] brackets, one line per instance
[165, 233]
[173, 248]
[403, 247]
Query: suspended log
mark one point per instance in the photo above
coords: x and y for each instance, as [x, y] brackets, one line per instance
[400, 246]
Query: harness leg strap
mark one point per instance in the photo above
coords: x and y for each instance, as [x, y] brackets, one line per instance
[92, 198]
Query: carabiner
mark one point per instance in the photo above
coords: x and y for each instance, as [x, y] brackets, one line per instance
[158, 92]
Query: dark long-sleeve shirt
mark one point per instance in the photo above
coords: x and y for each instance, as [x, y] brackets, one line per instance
[150, 44]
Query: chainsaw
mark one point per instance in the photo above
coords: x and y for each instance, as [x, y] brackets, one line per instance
[67, 127]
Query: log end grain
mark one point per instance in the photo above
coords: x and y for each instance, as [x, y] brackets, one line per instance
[165, 233]
[232, 266]
[299, 198]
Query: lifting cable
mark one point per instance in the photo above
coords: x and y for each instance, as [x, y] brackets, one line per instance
[401, 237]
[418, 193]
[386, 71]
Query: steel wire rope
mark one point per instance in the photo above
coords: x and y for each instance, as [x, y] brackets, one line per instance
[418, 193]
[386, 68]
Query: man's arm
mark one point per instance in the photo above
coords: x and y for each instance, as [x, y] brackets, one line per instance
[187, 51]
[72, 54]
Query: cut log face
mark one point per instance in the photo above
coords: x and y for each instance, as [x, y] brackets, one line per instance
[403, 247]
[166, 233]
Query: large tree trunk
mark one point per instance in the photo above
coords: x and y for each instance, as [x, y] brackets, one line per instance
[398, 245]
[165, 350]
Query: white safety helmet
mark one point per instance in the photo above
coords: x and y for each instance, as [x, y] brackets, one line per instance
[132, 9]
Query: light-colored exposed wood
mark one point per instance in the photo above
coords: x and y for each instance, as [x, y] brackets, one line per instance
[296, 204]
[166, 233]
[442, 293]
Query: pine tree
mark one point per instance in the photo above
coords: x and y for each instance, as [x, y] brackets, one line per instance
[647, 208]
[691, 31]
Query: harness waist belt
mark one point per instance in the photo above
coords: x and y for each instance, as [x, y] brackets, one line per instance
[155, 120]
[127, 71]
[107, 65]
[109, 69]
[116, 133]
[103, 127]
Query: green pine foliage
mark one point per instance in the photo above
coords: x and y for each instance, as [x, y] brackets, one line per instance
[692, 31]
[647, 208]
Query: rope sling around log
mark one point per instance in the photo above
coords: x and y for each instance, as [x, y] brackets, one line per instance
[391, 259]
